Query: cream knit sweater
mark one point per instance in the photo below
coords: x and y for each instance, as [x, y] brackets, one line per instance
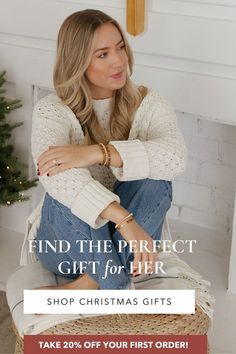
[155, 149]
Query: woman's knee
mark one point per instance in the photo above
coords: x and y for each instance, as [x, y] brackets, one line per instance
[157, 184]
[143, 191]
[159, 187]
[158, 194]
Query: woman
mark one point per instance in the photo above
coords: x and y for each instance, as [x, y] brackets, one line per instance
[106, 152]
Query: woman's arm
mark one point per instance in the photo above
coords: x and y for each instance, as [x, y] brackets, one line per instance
[130, 232]
[69, 156]
[75, 187]
[159, 152]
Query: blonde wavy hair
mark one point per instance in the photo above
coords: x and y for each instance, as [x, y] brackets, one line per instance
[75, 45]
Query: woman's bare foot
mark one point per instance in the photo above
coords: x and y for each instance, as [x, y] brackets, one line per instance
[83, 282]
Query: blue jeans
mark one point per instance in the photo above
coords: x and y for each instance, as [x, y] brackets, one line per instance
[147, 199]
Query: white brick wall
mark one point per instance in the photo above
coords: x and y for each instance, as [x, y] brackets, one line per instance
[204, 194]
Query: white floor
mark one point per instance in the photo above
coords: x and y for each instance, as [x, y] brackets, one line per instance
[210, 258]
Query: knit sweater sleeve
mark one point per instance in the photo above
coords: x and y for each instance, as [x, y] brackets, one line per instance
[75, 187]
[159, 152]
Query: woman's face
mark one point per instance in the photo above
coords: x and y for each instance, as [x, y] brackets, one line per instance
[109, 58]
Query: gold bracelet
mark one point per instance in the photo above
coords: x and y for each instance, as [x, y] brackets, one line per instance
[104, 151]
[120, 222]
[124, 223]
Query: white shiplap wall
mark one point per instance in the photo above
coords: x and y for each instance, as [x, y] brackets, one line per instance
[187, 52]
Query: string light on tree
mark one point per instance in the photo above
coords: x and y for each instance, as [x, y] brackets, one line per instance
[13, 173]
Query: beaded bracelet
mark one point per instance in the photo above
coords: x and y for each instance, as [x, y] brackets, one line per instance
[108, 156]
[102, 147]
[123, 220]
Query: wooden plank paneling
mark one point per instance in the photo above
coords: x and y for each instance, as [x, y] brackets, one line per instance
[172, 35]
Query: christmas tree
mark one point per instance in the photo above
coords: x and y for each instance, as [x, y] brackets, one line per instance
[12, 180]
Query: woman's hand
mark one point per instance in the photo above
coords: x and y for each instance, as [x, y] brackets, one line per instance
[68, 156]
[133, 231]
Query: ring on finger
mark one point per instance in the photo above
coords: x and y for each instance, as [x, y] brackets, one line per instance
[56, 163]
